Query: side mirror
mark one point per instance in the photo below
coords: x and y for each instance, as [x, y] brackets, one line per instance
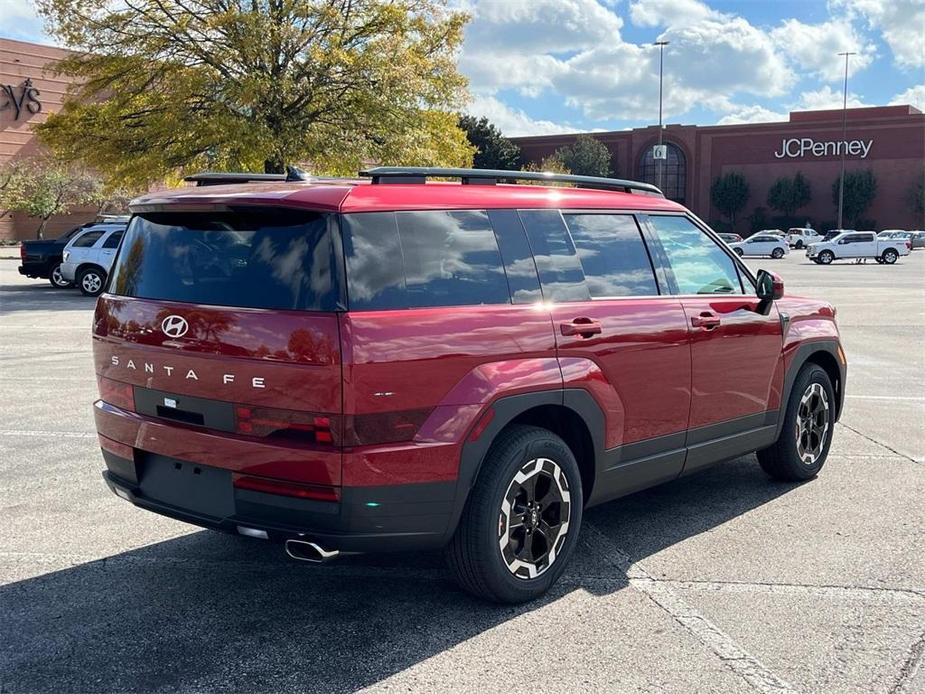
[770, 286]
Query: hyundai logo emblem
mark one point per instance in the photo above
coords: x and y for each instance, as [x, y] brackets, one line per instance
[174, 326]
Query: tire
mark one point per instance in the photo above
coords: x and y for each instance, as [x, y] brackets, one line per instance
[57, 279]
[739, 252]
[826, 257]
[879, 261]
[91, 281]
[890, 256]
[799, 245]
[475, 556]
[777, 253]
[803, 445]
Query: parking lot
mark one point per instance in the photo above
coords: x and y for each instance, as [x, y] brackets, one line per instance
[722, 582]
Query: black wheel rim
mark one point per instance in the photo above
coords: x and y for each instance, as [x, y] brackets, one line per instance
[534, 518]
[812, 425]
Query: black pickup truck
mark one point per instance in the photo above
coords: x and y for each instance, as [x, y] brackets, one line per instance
[42, 258]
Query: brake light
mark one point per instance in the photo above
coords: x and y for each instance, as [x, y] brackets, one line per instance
[284, 488]
[269, 421]
[22, 251]
[122, 395]
[909, 245]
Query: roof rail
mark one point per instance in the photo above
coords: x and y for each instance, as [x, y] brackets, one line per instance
[211, 178]
[415, 174]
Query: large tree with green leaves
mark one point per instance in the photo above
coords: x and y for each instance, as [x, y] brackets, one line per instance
[44, 187]
[787, 195]
[493, 150]
[587, 156]
[860, 191]
[171, 86]
[729, 193]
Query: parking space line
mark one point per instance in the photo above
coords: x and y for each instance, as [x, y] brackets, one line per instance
[854, 593]
[48, 434]
[724, 646]
[902, 398]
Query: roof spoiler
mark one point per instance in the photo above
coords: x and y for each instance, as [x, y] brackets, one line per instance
[221, 178]
[414, 174]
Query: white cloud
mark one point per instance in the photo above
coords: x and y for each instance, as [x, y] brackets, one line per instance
[913, 95]
[752, 114]
[514, 122]
[667, 13]
[901, 22]
[827, 98]
[815, 47]
[19, 20]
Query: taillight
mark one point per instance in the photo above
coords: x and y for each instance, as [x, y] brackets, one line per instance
[116, 393]
[909, 245]
[284, 488]
[22, 251]
[299, 426]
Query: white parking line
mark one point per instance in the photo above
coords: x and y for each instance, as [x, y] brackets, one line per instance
[724, 646]
[49, 434]
[912, 398]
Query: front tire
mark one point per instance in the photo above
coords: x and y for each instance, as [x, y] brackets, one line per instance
[91, 281]
[826, 257]
[521, 522]
[777, 253]
[803, 445]
[57, 279]
[890, 256]
[739, 252]
[799, 245]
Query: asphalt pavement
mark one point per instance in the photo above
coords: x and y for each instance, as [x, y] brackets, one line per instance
[723, 582]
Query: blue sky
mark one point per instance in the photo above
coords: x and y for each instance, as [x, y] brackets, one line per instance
[547, 66]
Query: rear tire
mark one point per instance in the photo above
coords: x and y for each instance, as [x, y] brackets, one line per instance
[826, 257]
[512, 543]
[91, 281]
[806, 434]
[739, 252]
[57, 279]
[890, 256]
[777, 253]
[798, 245]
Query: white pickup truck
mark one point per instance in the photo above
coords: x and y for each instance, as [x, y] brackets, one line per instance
[857, 245]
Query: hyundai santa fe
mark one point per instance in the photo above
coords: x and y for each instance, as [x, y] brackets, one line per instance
[396, 363]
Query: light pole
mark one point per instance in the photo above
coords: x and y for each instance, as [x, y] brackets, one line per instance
[661, 74]
[844, 143]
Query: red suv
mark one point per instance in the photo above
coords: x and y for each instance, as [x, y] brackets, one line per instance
[392, 364]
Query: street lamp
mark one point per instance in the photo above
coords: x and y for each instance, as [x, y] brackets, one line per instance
[661, 73]
[844, 145]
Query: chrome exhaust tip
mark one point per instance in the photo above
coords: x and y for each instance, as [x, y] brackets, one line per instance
[309, 551]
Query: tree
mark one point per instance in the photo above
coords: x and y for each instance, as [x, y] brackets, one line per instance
[787, 195]
[44, 187]
[173, 86]
[729, 193]
[493, 150]
[587, 156]
[860, 191]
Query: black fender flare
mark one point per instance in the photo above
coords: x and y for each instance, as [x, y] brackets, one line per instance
[506, 409]
[802, 355]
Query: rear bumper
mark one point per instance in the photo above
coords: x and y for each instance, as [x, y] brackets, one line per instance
[35, 270]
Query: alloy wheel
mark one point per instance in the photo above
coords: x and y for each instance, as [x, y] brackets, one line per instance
[534, 518]
[57, 278]
[812, 425]
[91, 282]
[890, 257]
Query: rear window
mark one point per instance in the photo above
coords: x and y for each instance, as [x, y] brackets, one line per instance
[274, 259]
[422, 259]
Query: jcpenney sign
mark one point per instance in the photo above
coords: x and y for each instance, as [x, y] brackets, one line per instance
[797, 147]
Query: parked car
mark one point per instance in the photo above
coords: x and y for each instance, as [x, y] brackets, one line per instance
[857, 245]
[761, 244]
[41, 258]
[770, 232]
[799, 237]
[917, 239]
[832, 233]
[889, 233]
[729, 237]
[355, 367]
[88, 257]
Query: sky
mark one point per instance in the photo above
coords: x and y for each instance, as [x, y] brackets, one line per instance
[547, 66]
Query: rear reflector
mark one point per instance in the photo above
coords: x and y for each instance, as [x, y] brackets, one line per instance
[283, 488]
[298, 426]
[117, 393]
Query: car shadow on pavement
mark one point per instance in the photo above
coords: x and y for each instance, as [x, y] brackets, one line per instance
[41, 296]
[212, 612]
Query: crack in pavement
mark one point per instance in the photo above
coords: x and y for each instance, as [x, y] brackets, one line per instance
[912, 665]
[724, 646]
[881, 444]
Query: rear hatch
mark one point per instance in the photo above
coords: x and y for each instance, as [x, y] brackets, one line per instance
[223, 326]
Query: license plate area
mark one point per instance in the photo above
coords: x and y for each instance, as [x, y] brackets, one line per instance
[185, 409]
[204, 490]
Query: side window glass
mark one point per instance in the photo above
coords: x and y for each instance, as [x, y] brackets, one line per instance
[113, 240]
[697, 262]
[612, 254]
[556, 260]
[422, 259]
[517, 257]
[88, 239]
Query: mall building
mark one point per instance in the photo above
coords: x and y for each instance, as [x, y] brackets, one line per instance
[888, 140]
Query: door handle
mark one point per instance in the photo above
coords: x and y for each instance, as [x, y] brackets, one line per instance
[585, 327]
[706, 320]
